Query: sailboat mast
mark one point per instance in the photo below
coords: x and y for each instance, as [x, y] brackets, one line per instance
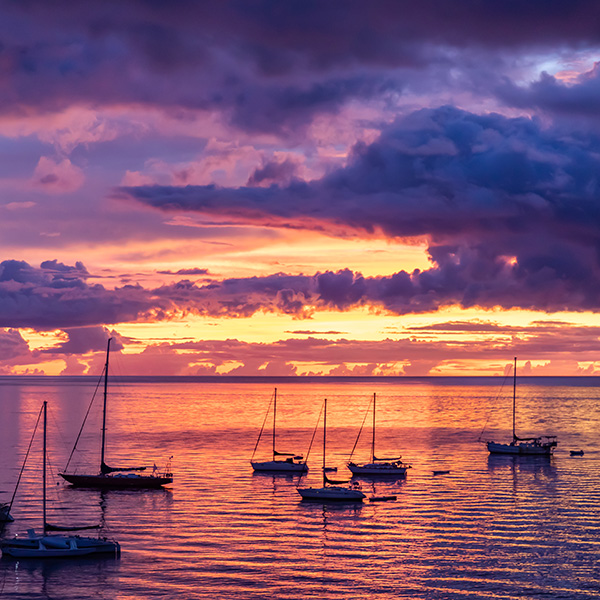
[274, 417]
[373, 441]
[104, 408]
[514, 398]
[324, 439]
[44, 471]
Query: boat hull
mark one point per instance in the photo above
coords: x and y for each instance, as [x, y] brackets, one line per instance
[280, 466]
[331, 494]
[118, 482]
[59, 547]
[522, 449]
[378, 470]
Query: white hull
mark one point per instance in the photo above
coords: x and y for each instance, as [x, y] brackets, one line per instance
[378, 469]
[333, 493]
[280, 466]
[522, 448]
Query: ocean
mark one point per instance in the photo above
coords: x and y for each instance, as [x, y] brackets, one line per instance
[492, 527]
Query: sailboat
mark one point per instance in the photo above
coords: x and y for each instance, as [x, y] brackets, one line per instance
[331, 491]
[56, 546]
[377, 467]
[290, 464]
[116, 477]
[541, 446]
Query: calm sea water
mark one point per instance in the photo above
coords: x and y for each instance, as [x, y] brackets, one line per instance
[491, 528]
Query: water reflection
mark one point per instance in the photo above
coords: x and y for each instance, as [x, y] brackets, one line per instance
[86, 577]
[537, 465]
[494, 527]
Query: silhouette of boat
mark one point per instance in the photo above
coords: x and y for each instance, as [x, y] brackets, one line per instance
[377, 467]
[116, 477]
[331, 489]
[542, 445]
[56, 546]
[290, 464]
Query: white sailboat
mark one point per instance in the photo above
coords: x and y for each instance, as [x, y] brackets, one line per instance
[331, 491]
[56, 546]
[290, 464]
[537, 446]
[377, 467]
[116, 477]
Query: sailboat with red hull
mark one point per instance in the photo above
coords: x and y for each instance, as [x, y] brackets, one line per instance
[124, 478]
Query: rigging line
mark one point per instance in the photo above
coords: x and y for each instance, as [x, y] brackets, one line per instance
[495, 399]
[58, 429]
[26, 456]
[84, 420]
[360, 430]
[312, 439]
[263, 426]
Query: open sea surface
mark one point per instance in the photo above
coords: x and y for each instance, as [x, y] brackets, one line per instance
[493, 527]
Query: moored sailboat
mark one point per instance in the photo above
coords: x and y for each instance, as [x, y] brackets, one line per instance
[290, 464]
[56, 546]
[117, 477]
[331, 489]
[537, 446]
[377, 467]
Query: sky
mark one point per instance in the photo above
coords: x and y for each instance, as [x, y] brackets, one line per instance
[258, 187]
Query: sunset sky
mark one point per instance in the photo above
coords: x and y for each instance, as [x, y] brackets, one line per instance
[300, 187]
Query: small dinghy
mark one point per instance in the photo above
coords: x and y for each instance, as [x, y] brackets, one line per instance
[576, 452]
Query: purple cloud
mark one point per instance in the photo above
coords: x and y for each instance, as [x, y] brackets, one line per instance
[266, 66]
[47, 299]
[510, 210]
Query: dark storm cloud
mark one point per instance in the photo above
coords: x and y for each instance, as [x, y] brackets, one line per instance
[46, 299]
[511, 211]
[82, 340]
[268, 65]
[273, 172]
[555, 97]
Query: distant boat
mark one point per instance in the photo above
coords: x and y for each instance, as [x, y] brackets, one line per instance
[331, 489]
[290, 464]
[56, 546]
[117, 477]
[537, 446]
[377, 466]
[576, 452]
